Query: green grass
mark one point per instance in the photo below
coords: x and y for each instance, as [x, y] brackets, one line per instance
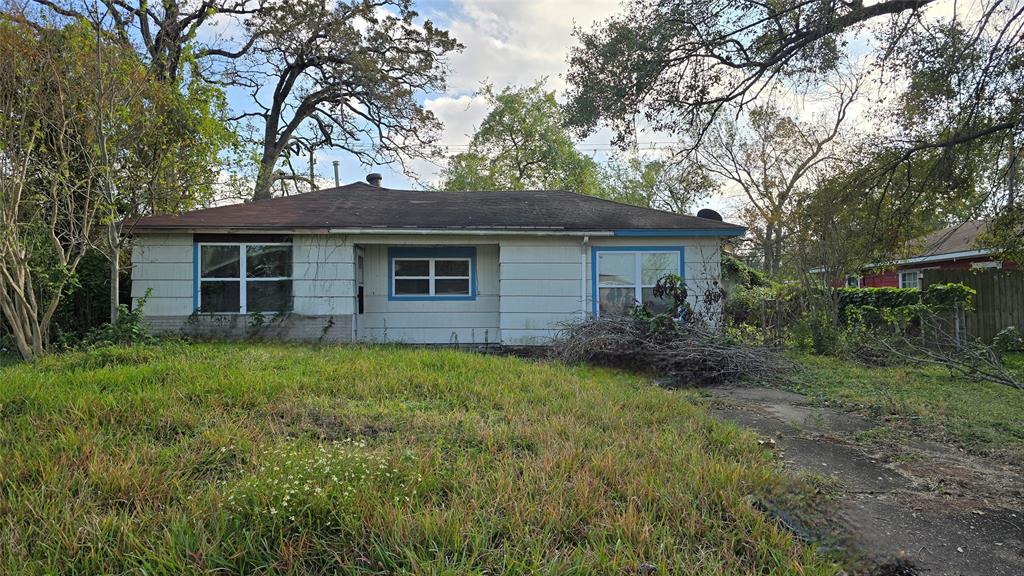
[257, 459]
[981, 416]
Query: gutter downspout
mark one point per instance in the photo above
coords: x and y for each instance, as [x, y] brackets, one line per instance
[583, 277]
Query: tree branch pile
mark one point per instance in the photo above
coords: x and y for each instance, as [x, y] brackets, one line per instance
[938, 342]
[690, 355]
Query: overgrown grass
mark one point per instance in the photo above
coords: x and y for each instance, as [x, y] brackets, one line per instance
[240, 458]
[923, 400]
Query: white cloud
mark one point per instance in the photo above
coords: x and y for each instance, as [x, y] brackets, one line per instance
[517, 42]
[461, 115]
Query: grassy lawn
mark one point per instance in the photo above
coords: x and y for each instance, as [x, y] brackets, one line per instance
[242, 458]
[980, 416]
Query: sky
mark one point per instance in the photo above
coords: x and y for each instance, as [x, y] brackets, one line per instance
[507, 42]
[512, 42]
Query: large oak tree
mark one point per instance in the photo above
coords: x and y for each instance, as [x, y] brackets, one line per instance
[343, 75]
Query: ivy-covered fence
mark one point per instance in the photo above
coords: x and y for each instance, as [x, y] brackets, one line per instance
[999, 303]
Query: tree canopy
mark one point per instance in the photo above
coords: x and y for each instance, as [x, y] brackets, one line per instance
[522, 144]
[948, 80]
[343, 75]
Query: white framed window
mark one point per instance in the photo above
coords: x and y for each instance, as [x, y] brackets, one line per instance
[910, 279]
[853, 281]
[439, 277]
[243, 278]
[625, 278]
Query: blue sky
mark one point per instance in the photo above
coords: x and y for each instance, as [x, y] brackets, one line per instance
[507, 42]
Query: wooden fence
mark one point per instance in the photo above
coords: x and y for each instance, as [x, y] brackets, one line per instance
[998, 304]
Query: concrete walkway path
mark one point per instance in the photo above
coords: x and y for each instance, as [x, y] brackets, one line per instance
[931, 507]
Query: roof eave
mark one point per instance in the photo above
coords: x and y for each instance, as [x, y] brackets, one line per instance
[479, 231]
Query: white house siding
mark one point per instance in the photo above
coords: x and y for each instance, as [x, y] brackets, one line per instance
[540, 287]
[429, 321]
[322, 291]
[527, 286]
[323, 272]
[162, 265]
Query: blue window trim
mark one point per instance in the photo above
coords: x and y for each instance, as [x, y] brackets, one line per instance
[432, 252]
[670, 232]
[195, 276]
[595, 250]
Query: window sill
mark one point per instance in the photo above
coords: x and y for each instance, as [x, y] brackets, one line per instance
[392, 298]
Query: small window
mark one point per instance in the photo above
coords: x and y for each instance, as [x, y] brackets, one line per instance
[625, 278]
[853, 281]
[909, 279]
[240, 278]
[432, 273]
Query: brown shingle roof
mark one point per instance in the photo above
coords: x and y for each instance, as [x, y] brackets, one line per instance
[360, 205]
[951, 240]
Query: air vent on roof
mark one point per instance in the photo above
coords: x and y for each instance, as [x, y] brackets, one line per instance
[374, 178]
[709, 214]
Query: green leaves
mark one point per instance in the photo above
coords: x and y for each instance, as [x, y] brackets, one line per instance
[523, 144]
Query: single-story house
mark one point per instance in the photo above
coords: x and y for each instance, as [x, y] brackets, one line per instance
[365, 263]
[953, 248]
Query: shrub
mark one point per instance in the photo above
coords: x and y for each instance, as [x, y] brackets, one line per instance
[1008, 339]
[736, 272]
[947, 297]
[875, 297]
[127, 330]
[817, 332]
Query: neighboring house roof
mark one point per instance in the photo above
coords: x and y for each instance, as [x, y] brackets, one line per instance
[360, 206]
[952, 240]
[952, 243]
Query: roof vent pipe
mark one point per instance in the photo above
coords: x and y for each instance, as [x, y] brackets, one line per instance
[374, 178]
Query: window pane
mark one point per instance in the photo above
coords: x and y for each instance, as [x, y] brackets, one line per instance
[909, 279]
[616, 301]
[617, 268]
[451, 286]
[268, 261]
[656, 305]
[220, 261]
[654, 266]
[268, 296]
[412, 287]
[412, 268]
[451, 268]
[220, 296]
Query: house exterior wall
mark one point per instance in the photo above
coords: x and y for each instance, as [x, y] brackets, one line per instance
[541, 287]
[891, 278]
[527, 287]
[429, 321]
[322, 290]
[162, 265]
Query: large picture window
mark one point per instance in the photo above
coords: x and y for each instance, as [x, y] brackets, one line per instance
[628, 276]
[243, 278]
[432, 273]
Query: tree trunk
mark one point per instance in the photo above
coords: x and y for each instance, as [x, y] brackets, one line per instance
[265, 177]
[115, 271]
[768, 246]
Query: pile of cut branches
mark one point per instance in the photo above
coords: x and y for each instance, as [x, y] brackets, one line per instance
[686, 355]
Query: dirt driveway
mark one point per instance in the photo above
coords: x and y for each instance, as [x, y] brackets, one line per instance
[927, 508]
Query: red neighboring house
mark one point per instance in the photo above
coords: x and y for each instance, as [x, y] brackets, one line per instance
[955, 247]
